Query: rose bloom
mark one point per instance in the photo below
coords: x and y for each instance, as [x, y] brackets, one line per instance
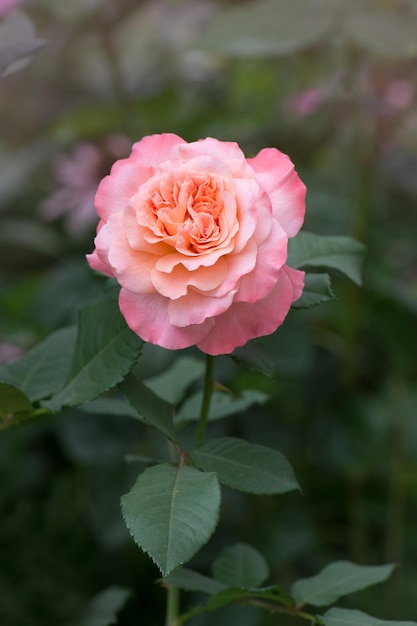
[196, 235]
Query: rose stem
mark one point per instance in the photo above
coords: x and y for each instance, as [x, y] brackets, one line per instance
[205, 405]
[173, 598]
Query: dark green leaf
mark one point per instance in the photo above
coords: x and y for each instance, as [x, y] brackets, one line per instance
[44, 369]
[12, 401]
[172, 384]
[349, 617]
[266, 28]
[240, 565]
[172, 512]
[245, 466]
[339, 253]
[255, 356]
[239, 594]
[189, 580]
[222, 404]
[109, 406]
[105, 351]
[104, 607]
[27, 234]
[317, 289]
[150, 408]
[336, 580]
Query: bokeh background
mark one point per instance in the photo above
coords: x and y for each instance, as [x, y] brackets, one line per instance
[333, 83]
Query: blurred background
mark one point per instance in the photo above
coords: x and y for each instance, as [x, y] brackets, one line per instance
[333, 83]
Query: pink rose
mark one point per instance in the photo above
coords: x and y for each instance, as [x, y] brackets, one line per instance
[196, 235]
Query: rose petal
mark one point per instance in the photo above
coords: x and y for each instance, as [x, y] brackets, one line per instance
[147, 316]
[275, 172]
[153, 150]
[97, 264]
[196, 308]
[119, 186]
[226, 151]
[244, 321]
[271, 257]
[176, 283]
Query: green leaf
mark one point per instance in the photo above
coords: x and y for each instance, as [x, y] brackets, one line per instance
[222, 404]
[338, 253]
[239, 594]
[317, 289]
[189, 580]
[104, 607]
[109, 406]
[150, 408]
[172, 384]
[240, 565]
[245, 466]
[105, 351]
[29, 235]
[172, 512]
[336, 580]
[385, 31]
[43, 369]
[349, 617]
[266, 28]
[255, 356]
[12, 401]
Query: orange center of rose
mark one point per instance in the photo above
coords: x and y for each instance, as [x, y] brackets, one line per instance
[186, 213]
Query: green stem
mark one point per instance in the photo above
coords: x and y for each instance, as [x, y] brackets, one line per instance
[16, 421]
[271, 607]
[173, 602]
[205, 405]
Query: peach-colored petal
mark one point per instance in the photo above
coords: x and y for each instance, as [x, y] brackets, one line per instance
[271, 257]
[119, 186]
[244, 321]
[176, 283]
[147, 316]
[297, 280]
[275, 172]
[153, 150]
[97, 264]
[199, 163]
[223, 150]
[195, 308]
[136, 236]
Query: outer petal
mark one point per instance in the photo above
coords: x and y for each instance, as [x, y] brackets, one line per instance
[244, 321]
[272, 255]
[175, 284]
[297, 280]
[226, 151]
[275, 172]
[119, 186]
[195, 308]
[97, 264]
[147, 316]
[153, 150]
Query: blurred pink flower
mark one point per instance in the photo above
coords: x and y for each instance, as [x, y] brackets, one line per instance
[9, 352]
[306, 102]
[78, 175]
[7, 5]
[398, 95]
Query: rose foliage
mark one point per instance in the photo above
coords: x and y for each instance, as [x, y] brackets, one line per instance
[196, 235]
